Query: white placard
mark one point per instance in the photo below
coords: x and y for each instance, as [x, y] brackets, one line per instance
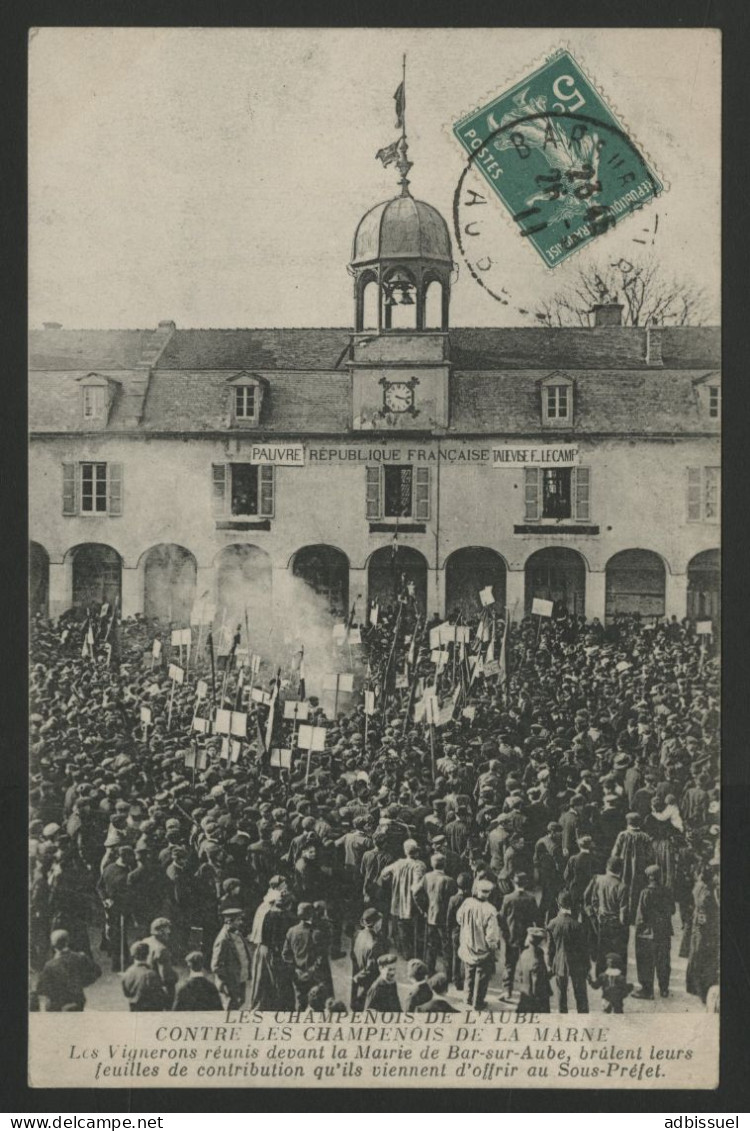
[541, 608]
[190, 759]
[355, 636]
[176, 637]
[156, 649]
[369, 702]
[339, 633]
[704, 628]
[146, 715]
[486, 596]
[447, 633]
[374, 615]
[311, 738]
[234, 751]
[176, 673]
[434, 639]
[514, 456]
[154, 689]
[281, 759]
[238, 725]
[223, 724]
[200, 725]
[201, 689]
[296, 709]
[469, 713]
[224, 752]
[463, 634]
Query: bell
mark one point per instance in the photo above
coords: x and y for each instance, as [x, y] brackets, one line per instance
[406, 299]
[390, 299]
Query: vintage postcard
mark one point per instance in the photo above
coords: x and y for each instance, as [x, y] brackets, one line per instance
[374, 464]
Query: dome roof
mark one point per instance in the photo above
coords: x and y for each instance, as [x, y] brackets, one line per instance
[402, 228]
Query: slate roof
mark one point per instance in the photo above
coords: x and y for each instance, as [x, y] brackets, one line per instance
[621, 400]
[623, 347]
[494, 383]
[90, 349]
[296, 349]
[198, 400]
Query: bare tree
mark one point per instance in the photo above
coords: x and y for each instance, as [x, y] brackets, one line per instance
[648, 297]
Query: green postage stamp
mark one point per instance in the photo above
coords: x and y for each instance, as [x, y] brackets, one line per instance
[558, 158]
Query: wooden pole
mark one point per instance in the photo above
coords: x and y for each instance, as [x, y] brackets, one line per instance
[336, 698]
[171, 701]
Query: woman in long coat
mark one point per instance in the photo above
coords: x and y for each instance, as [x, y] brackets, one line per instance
[703, 960]
[270, 980]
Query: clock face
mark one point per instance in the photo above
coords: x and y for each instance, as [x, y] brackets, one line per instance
[398, 396]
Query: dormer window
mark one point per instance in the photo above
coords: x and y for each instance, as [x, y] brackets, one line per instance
[246, 398]
[557, 401]
[97, 396]
[245, 402]
[714, 401]
[94, 401]
[708, 392]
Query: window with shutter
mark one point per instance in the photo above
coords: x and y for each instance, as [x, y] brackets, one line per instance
[582, 493]
[373, 493]
[70, 488]
[694, 494]
[531, 493]
[114, 477]
[711, 499]
[266, 491]
[422, 494]
[219, 488]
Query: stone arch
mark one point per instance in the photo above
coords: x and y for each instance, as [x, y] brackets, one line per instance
[389, 573]
[556, 573]
[244, 588]
[169, 578]
[38, 580]
[466, 572]
[635, 583]
[704, 586]
[400, 297]
[325, 569]
[434, 304]
[97, 574]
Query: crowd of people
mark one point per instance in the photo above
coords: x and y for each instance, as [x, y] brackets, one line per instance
[563, 820]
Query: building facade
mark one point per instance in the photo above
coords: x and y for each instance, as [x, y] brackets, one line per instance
[579, 465]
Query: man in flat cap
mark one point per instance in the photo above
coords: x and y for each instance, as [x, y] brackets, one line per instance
[308, 959]
[368, 947]
[568, 955]
[519, 912]
[403, 876]
[605, 903]
[636, 851]
[479, 939]
[62, 980]
[549, 865]
[231, 959]
[532, 975]
[653, 935]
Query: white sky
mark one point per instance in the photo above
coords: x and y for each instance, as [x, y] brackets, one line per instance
[216, 176]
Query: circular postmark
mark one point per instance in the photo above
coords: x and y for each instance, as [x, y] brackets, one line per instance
[562, 179]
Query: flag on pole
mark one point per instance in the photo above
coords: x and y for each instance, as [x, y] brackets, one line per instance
[400, 99]
[272, 713]
[503, 655]
[388, 154]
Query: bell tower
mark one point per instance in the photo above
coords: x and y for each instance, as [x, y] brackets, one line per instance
[402, 265]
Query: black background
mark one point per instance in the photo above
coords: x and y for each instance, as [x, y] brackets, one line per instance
[15, 21]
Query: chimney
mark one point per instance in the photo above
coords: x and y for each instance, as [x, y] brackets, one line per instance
[653, 346]
[607, 314]
[52, 325]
